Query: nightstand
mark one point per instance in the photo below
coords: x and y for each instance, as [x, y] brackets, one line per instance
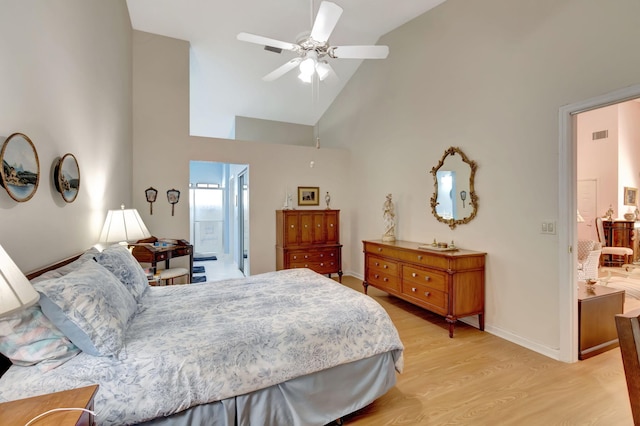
[19, 412]
[597, 309]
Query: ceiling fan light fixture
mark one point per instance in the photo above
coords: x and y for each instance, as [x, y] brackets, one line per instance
[306, 78]
[322, 68]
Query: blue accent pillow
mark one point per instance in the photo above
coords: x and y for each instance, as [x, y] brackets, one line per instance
[121, 263]
[90, 306]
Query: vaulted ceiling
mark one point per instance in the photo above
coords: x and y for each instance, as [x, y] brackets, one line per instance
[226, 74]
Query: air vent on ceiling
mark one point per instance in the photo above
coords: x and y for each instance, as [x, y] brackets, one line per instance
[273, 49]
[602, 134]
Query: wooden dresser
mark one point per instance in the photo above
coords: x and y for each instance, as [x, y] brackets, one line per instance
[309, 239]
[449, 283]
[621, 233]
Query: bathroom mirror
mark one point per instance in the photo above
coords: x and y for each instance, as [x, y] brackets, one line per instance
[454, 200]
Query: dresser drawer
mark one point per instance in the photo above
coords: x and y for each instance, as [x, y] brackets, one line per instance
[420, 276]
[381, 265]
[313, 256]
[435, 298]
[382, 273]
[380, 250]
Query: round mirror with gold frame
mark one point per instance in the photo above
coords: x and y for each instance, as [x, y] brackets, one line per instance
[454, 200]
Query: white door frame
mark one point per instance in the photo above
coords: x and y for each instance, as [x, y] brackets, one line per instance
[567, 207]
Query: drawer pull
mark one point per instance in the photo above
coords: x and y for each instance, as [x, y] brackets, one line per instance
[427, 293]
[295, 257]
[306, 266]
[379, 248]
[306, 256]
[331, 225]
[322, 255]
[377, 263]
[321, 264]
[376, 276]
[385, 267]
[419, 257]
[385, 279]
[292, 226]
[426, 278]
[413, 289]
[318, 225]
[414, 275]
[306, 226]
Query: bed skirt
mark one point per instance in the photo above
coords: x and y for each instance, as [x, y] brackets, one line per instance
[323, 397]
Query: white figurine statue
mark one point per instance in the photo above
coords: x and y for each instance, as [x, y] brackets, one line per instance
[327, 199]
[389, 217]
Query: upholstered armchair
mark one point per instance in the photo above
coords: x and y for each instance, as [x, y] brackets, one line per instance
[589, 252]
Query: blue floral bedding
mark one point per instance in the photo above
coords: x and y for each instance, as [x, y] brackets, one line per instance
[199, 343]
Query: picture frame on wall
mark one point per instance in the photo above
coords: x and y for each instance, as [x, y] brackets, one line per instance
[308, 196]
[630, 196]
[67, 177]
[20, 171]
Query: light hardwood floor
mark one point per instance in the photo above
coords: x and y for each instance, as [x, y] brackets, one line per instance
[479, 379]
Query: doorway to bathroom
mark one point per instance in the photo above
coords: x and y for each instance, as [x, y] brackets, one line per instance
[219, 216]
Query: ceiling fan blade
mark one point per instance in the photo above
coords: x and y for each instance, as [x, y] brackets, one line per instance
[282, 70]
[265, 41]
[360, 52]
[326, 20]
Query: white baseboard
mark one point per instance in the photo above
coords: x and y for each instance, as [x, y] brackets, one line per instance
[496, 331]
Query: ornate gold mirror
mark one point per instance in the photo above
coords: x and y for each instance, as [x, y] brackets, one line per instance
[454, 200]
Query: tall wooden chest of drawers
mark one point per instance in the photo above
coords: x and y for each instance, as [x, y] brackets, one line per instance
[309, 239]
[449, 283]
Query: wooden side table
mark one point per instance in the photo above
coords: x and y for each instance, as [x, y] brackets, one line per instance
[21, 411]
[597, 309]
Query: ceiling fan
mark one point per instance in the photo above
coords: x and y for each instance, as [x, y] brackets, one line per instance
[314, 50]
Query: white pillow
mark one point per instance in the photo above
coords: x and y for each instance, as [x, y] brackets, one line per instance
[121, 263]
[90, 306]
[70, 267]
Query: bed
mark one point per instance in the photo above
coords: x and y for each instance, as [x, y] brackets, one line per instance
[289, 347]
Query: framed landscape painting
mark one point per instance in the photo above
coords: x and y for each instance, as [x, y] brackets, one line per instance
[67, 177]
[20, 171]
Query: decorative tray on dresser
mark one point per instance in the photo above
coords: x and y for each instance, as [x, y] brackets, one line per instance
[449, 283]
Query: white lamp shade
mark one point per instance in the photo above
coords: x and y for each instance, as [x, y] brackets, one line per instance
[16, 292]
[123, 225]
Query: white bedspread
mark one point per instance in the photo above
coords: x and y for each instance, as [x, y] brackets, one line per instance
[200, 343]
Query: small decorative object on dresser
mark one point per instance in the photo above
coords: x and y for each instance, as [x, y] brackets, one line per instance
[309, 239]
[389, 217]
[449, 283]
[67, 177]
[327, 199]
[20, 173]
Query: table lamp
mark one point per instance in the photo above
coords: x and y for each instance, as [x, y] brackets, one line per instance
[122, 226]
[16, 292]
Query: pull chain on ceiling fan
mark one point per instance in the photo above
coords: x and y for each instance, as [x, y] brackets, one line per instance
[314, 51]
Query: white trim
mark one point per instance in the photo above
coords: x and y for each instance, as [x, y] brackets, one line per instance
[567, 205]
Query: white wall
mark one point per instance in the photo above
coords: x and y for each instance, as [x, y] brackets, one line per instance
[163, 148]
[65, 81]
[490, 77]
[253, 129]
